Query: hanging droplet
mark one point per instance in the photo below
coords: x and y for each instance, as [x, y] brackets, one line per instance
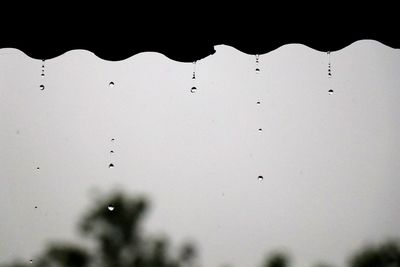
[111, 84]
[41, 87]
[260, 178]
[111, 165]
[328, 52]
[110, 207]
[330, 91]
[257, 68]
[193, 90]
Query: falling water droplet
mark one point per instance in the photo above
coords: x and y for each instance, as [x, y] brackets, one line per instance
[257, 70]
[260, 129]
[35, 207]
[111, 165]
[41, 87]
[111, 84]
[30, 261]
[112, 139]
[260, 178]
[330, 92]
[37, 168]
[193, 90]
[42, 74]
[258, 103]
[112, 151]
[110, 207]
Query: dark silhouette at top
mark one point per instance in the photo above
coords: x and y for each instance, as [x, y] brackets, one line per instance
[114, 224]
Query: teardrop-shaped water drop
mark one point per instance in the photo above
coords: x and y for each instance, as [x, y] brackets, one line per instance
[111, 84]
[41, 87]
[193, 89]
[260, 178]
[111, 151]
[111, 165]
[30, 261]
[257, 70]
[260, 129]
[110, 207]
[330, 91]
[258, 103]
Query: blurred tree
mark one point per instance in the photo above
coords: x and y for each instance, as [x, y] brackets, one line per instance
[384, 255]
[66, 255]
[277, 259]
[115, 226]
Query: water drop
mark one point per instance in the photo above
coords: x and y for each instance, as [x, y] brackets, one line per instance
[41, 87]
[111, 165]
[112, 151]
[112, 139]
[35, 207]
[260, 178]
[30, 261]
[193, 90]
[330, 92]
[258, 103]
[42, 74]
[110, 207]
[257, 70]
[111, 84]
[260, 129]
[37, 168]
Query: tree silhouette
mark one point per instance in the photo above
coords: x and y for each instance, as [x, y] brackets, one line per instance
[277, 259]
[114, 224]
[383, 255]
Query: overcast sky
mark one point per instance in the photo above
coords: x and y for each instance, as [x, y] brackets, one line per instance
[330, 162]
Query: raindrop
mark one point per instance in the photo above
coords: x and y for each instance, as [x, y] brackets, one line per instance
[37, 168]
[257, 70]
[111, 165]
[35, 207]
[193, 90]
[260, 178]
[111, 84]
[110, 207]
[42, 74]
[330, 92]
[112, 139]
[112, 151]
[258, 103]
[30, 261]
[260, 129]
[41, 87]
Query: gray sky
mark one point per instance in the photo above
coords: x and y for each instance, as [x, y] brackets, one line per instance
[330, 162]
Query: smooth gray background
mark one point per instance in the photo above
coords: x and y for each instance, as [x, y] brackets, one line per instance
[330, 162]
